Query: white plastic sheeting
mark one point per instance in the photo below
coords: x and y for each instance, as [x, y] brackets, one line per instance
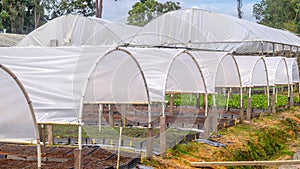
[117, 78]
[253, 71]
[17, 122]
[53, 77]
[197, 28]
[219, 69]
[293, 70]
[277, 71]
[132, 75]
[71, 30]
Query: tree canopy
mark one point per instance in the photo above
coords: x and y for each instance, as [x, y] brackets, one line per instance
[57, 8]
[20, 16]
[281, 14]
[23, 16]
[144, 11]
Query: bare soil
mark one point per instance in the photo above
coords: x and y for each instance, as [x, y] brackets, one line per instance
[59, 157]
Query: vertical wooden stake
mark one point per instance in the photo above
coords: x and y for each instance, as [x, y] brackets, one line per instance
[163, 134]
[198, 101]
[248, 112]
[123, 115]
[43, 136]
[111, 116]
[149, 142]
[100, 111]
[274, 100]
[292, 96]
[241, 106]
[119, 148]
[171, 106]
[50, 134]
[215, 119]
[78, 159]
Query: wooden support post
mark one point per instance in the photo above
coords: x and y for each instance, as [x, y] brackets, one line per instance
[78, 159]
[100, 111]
[211, 122]
[242, 111]
[171, 106]
[215, 119]
[123, 114]
[43, 136]
[119, 148]
[241, 106]
[269, 100]
[163, 136]
[205, 103]
[291, 96]
[248, 114]
[50, 134]
[274, 100]
[207, 122]
[149, 150]
[230, 94]
[198, 101]
[111, 116]
[229, 97]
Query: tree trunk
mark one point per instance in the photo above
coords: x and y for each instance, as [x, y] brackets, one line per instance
[239, 6]
[99, 8]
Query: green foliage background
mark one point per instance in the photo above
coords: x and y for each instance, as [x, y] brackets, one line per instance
[281, 14]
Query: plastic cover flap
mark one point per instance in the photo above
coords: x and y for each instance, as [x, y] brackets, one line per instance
[277, 70]
[219, 69]
[184, 76]
[117, 79]
[16, 122]
[53, 77]
[293, 70]
[252, 70]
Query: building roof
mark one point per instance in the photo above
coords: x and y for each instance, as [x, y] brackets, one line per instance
[7, 40]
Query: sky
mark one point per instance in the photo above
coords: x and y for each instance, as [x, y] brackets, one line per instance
[118, 10]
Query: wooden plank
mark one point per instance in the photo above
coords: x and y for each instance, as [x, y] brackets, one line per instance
[171, 106]
[248, 112]
[61, 123]
[78, 159]
[50, 134]
[100, 102]
[198, 101]
[111, 116]
[149, 146]
[163, 136]
[241, 112]
[274, 103]
[123, 115]
[246, 163]
[291, 105]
